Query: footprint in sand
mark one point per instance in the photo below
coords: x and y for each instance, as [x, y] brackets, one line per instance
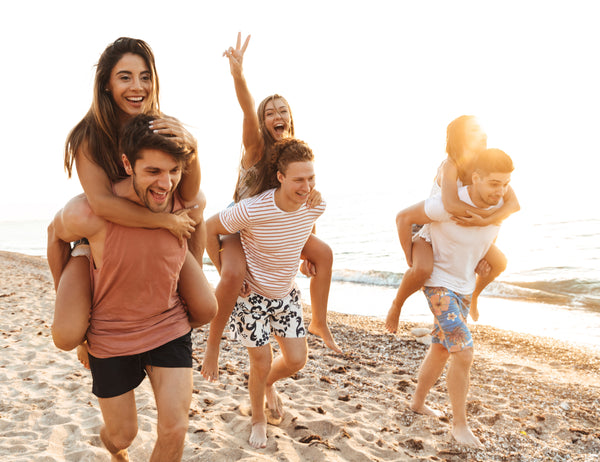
[519, 367]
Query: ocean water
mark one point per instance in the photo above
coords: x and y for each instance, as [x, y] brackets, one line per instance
[551, 286]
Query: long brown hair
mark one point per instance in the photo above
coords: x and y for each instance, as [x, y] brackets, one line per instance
[99, 128]
[259, 180]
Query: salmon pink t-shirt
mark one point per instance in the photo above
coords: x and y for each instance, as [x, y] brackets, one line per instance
[136, 305]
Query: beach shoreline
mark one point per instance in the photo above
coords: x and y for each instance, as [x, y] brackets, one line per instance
[531, 398]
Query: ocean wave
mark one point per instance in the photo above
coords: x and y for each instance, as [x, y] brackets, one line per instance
[578, 293]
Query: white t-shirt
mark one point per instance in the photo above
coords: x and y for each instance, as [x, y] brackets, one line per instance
[272, 240]
[456, 249]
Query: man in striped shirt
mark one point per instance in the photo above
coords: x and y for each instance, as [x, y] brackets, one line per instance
[274, 227]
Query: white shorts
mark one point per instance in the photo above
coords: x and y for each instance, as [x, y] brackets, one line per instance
[255, 317]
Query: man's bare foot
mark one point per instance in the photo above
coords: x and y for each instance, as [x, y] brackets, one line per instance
[464, 435]
[393, 317]
[426, 410]
[82, 355]
[326, 336]
[258, 435]
[474, 311]
[210, 365]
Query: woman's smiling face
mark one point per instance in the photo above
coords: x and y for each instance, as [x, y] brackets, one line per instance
[130, 85]
[277, 119]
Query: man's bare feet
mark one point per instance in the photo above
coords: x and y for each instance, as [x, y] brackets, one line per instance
[393, 317]
[474, 311]
[210, 365]
[464, 435]
[326, 336]
[258, 435]
[82, 355]
[426, 410]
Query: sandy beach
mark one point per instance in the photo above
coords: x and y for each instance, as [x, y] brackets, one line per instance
[531, 398]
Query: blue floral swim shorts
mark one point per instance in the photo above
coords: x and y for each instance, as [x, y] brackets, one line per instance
[255, 317]
[450, 310]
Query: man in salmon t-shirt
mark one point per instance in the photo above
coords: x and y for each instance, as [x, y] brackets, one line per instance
[138, 322]
[274, 226]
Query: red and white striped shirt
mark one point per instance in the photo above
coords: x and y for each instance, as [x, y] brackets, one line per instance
[272, 240]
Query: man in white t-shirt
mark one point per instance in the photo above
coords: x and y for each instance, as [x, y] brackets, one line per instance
[274, 226]
[456, 252]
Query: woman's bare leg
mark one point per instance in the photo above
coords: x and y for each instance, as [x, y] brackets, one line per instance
[233, 272]
[497, 261]
[412, 281]
[197, 292]
[73, 304]
[320, 254]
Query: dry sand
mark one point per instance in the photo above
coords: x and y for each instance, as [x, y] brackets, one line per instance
[531, 398]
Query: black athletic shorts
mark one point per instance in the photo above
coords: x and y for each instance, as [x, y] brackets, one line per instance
[118, 375]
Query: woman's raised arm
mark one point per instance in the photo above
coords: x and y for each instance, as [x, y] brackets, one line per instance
[251, 137]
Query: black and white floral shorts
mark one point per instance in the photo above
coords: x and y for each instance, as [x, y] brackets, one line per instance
[255, 317]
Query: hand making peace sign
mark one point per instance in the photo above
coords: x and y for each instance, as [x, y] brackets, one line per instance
[236, 56]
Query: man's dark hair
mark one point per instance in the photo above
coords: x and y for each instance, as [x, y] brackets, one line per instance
[136, 136]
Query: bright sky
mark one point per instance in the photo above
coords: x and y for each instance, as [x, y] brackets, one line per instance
[372, 86]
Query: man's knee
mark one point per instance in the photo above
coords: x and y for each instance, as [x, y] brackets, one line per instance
[297, 362]
[260, 366]
[122, 437]
[297, 359]
[174, 430]
[422, 270]
[464, 357]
